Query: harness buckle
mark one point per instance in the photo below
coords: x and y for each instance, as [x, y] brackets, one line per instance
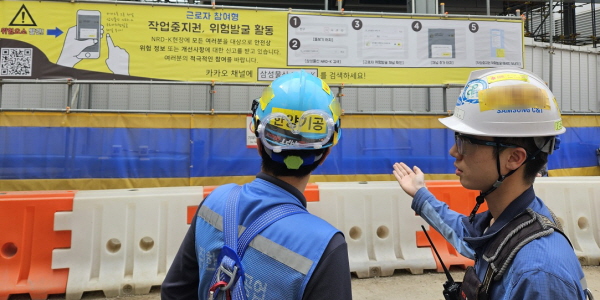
[228, 273]
[231, 274]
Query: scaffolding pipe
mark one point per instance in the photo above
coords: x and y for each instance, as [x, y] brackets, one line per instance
[444, 96]
[551, 49]
[212, 83]
[593, 23]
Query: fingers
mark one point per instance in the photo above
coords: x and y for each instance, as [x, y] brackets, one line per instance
[397, 175]
[109, 41]
[402, 169]
[417, 170]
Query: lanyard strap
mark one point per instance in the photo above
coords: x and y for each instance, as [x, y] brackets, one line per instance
[230, 267]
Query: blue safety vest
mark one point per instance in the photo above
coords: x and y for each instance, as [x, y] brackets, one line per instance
[280, 260]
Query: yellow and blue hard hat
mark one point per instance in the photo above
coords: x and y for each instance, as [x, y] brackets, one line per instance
[298, 111]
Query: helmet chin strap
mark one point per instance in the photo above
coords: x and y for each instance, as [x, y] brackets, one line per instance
[500, 179]
[496, 184]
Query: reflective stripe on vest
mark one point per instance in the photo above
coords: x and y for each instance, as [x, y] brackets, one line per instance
[262, 244]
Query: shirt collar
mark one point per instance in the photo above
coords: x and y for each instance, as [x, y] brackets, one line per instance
[481, 221]
[284, 185]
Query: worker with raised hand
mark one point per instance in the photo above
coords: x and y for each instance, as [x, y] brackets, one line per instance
[257, 241]
[505, 123]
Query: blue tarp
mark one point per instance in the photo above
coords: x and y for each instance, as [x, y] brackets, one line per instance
[78, 152]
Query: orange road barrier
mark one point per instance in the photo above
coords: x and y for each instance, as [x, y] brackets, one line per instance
[191, 210]
[312, 192]
[27, 238]
[460, 200]
[208, 190]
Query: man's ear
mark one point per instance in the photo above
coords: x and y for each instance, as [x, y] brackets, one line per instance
[516, 158]
[259, 146]
[325, 154]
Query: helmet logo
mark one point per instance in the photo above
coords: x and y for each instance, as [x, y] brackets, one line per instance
[558, 125]
[336, 109]
[514, 99]
[326, 88]
[507, 76]
[310, 124]
[471, 91]
[266, 97]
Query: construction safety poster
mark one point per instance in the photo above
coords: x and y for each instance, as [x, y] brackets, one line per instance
[150, 41]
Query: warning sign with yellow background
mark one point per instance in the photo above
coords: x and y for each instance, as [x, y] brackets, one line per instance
[141, 41]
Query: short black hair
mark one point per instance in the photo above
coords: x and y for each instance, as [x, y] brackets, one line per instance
[535, 164]
[280, 169]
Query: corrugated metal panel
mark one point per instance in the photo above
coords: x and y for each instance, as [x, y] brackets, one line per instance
[419, 99]
[436, 96]
[575, 73]
[584, 22]
[238, 98]
[528, 55]
[54, 96]
[140, 97]
[592, 80]
[32, 97]
[180, 98]
[584, 89]
[82, 99]
[452, 97]
[99, 96]
[366, 100]
[383, 99]
[560, 78]
[199, 98]
[222, 98]
[350, 100]
[401, 100]
[160, 97]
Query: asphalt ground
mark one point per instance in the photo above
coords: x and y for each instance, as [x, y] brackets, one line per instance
[402, 285]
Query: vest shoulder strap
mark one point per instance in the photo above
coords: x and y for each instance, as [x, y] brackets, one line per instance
[230, 268]
[523, 229]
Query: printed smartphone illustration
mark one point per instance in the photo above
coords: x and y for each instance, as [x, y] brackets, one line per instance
[497, 43]
[88, 27]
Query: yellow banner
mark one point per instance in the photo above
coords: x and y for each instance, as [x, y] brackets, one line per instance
[140, 41]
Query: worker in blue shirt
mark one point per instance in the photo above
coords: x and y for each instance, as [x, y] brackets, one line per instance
[505, 122]
[257, 241]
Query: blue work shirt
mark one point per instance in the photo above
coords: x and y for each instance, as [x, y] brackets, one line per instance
[545, 268]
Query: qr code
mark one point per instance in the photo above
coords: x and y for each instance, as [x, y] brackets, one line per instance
[15, 61]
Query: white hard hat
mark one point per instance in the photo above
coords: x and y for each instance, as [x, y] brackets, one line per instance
[505, 102]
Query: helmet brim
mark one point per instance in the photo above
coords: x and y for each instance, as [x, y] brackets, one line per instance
[456, 124]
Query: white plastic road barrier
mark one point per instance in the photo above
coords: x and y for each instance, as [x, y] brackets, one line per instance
[575, 201]
[123, 241]
[379, 226]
